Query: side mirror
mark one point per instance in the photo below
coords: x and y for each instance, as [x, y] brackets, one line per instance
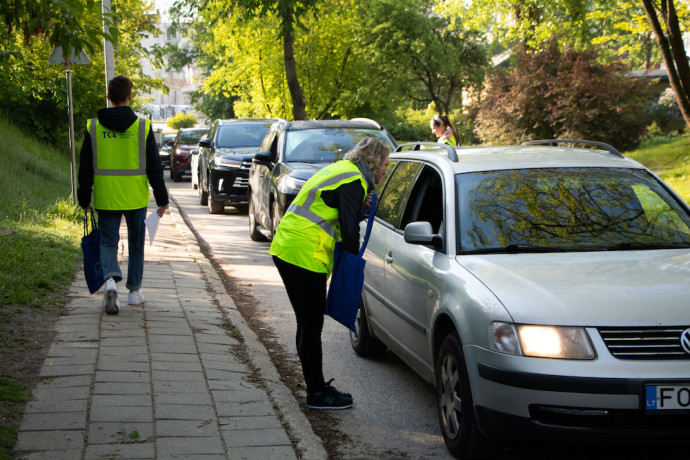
[263, 158]
[206, 143]
[194, 152]
[170, 142]
[421, 233]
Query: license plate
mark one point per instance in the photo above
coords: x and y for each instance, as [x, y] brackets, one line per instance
[667, 397]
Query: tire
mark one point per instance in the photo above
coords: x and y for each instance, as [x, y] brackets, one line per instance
[215, 206]
[362, 341]
[254, 232]
[455, 405]
[274, 219]
[203, 195]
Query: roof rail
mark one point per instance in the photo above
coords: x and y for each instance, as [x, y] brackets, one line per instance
[452, 154]
[555, 142]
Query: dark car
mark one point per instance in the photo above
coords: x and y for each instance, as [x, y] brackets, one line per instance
[164, 149]
[224, 160]
[289, 155]
[181, 152]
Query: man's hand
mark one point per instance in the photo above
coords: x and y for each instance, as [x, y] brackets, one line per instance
[160, 211]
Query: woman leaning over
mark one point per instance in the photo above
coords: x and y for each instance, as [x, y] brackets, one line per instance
[327, 209]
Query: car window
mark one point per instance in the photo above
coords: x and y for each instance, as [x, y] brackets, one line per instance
[392, 202]
[568, 209]
[241, 135]
[326, 145]
[426, 201]
[190, 137]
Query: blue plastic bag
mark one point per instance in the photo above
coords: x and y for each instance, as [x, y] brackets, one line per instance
[91, 248]
[347, 279]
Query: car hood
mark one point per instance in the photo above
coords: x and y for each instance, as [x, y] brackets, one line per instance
[621, 288]
[244, 152]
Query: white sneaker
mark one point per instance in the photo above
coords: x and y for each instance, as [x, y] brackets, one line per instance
[135, 297]
[111, 304]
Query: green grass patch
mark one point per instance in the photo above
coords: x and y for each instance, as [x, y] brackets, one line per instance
[670, 160]
[40, 229]
[11, 390]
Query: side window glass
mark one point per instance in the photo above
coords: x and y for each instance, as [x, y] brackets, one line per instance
[386, 177]
[426, 201]
[392, 203]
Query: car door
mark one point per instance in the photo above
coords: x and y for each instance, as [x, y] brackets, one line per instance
[411, 282]
[262, 178]
[392, 196]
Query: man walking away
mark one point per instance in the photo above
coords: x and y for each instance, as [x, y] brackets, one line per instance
[119, 159]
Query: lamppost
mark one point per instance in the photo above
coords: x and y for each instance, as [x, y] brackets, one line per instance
[57, 57]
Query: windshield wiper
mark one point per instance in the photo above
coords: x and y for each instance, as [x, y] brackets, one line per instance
[627, 246]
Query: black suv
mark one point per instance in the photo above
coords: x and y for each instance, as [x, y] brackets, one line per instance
[224, 160]
[181, 151]
[290, 154]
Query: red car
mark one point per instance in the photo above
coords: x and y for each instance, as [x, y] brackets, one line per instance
[181, 152]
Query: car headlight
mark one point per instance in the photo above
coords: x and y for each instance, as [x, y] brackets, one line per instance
[228, 163]
[294, 183]
[562, 342]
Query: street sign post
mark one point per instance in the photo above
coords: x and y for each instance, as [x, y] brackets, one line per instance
[57, 57]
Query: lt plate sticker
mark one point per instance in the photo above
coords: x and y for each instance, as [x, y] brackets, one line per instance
[667, 397]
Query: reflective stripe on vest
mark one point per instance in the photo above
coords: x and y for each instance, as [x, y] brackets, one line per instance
[141, 171]
[304, 211]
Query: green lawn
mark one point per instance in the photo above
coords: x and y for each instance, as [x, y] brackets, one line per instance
[670, 160]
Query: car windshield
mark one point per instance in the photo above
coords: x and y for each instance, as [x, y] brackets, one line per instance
[568, 209]
[236, 135]
[191, 137]
[326, 145]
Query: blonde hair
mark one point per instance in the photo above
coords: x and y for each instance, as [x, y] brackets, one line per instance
[371, 150]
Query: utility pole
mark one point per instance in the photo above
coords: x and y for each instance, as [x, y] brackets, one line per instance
[108, 54]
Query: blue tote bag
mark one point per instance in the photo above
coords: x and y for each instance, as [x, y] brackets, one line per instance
[91, 248]
[347, 279]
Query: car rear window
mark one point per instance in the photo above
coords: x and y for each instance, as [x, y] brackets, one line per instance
[191, 137]
[326, 145]
[565, 209]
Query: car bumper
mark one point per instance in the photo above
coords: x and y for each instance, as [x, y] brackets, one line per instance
[229, 185]
[518, 398]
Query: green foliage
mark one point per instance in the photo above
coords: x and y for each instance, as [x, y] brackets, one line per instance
[11, 391]
[568, 95]
[39, 227]
[182, 120]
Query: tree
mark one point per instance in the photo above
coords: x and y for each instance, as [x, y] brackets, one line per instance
[568, 95]
[427, 60]
[182, 120]
[290, 14]
[670, 41]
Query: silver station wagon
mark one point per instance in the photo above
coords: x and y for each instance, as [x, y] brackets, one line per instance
[543, 289]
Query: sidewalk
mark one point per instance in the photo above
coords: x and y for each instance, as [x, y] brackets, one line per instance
[181, 377]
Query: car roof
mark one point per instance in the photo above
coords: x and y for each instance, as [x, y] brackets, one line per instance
[490, 158]
[356, 123]
[186, 130]
[245, 120]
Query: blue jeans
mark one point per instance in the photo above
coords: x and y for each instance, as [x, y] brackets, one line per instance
[109, 228]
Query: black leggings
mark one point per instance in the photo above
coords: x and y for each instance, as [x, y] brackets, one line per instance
[307, 292]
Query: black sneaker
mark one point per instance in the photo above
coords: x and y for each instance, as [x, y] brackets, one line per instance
[329, 398]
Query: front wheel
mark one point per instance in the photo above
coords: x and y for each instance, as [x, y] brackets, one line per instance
[215, 206]
[254, 232]
[455, 406]
[274, 219]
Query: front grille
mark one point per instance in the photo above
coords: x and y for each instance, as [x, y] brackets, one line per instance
[241, 182]
[611, 419]
[649, 343]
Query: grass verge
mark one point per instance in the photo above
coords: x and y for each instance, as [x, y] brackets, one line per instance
[670, 160]
[40, 231]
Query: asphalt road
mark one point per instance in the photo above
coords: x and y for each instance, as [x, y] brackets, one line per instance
[394, 414]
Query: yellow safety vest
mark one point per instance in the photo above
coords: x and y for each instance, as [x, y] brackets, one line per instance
[119, 166]
[307, 233]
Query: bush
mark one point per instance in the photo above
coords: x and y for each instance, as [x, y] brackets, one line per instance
[182, 120]
[665, 115]
[554, 94]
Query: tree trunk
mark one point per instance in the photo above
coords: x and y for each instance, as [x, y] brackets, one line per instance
[678, 74]
[298, 102]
